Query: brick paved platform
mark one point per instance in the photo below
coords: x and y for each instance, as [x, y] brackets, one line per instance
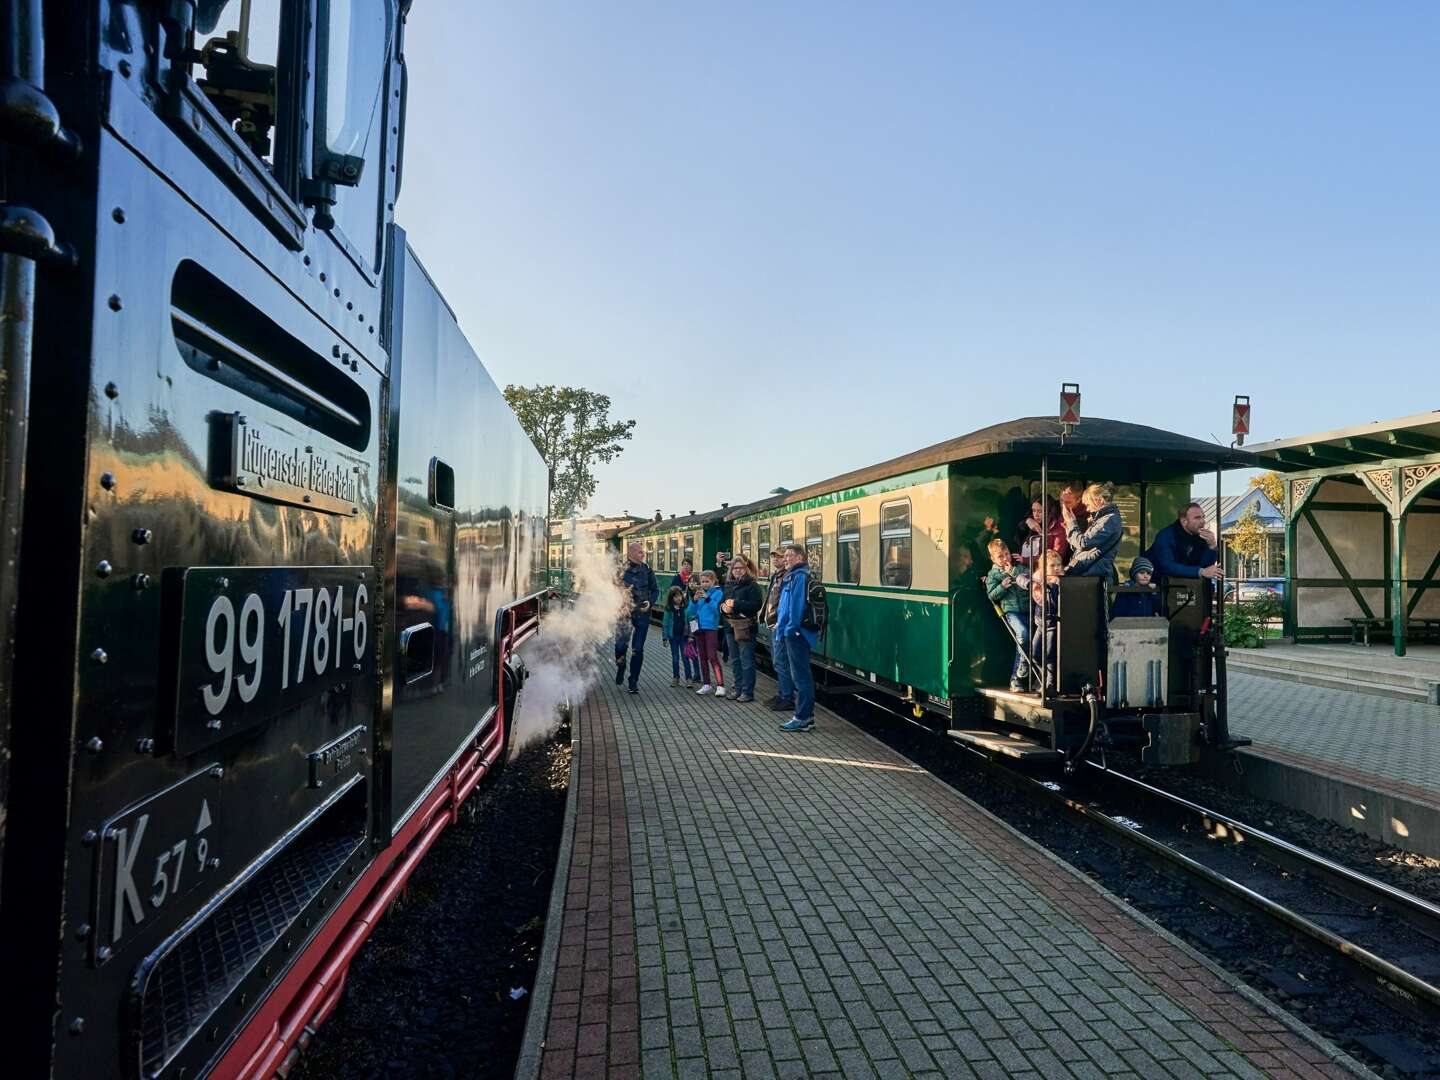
[746, 903]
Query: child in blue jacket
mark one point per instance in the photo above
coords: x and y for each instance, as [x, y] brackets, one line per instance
[703, 613]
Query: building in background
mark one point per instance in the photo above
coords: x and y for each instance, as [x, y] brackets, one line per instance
[595, 533]
[1269, 560]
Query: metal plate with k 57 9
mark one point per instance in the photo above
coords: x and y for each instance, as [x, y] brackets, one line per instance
[256, 642]
[152, 854]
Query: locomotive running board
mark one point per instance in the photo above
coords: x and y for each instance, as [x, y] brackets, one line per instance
[1006, 744]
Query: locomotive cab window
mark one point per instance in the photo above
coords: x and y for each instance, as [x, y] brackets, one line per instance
[240, 60]
[895, 544]
[847, 547]
[764, 532]
[815, 546]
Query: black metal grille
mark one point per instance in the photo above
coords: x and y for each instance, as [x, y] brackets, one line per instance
[194, 977]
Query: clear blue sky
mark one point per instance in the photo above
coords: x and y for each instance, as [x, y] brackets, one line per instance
[924, 218]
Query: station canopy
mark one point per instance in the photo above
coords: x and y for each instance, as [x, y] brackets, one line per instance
[1113, 449]
[1407, 438]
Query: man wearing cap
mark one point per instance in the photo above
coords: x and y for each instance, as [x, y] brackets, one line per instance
[784, 699]
[1132, 602]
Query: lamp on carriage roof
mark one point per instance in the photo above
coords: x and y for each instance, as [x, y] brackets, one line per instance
[1240, 419]
[1069, 408]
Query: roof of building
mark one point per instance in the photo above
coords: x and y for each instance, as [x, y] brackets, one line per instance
[692, 520]
[1232, 506]
[1094, 437]
[1380, 440]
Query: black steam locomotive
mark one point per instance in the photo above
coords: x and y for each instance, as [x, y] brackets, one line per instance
[272, 538]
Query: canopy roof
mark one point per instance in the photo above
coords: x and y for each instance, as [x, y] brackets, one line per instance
[1381, 440]
[1104, 444]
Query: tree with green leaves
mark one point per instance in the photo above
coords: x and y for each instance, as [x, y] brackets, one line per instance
[1273, 485]
[572, 429]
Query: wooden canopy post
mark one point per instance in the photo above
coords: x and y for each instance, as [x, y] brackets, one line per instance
[1398, 610]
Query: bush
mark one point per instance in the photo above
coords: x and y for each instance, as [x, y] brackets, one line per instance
[1245, 622]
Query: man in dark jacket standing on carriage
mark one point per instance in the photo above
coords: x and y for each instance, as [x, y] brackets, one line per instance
[1185, 548]
[792, 638]
[642, 590]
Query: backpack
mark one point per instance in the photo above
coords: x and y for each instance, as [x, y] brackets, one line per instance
[817, 609]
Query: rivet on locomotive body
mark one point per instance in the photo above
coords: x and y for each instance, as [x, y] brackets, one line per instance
[124, 67]
[103, 568]
[140, 582]
[89, 838]
[95, 744]
[112, 391]
[213, 863]
[104, 953]
[100, 656]
[217, 772]
[115, 304]
[107, 481]
[77, 1026]
[144, 746]
[82, 932]
[222, 583]
[142, 536]
[335, 351]
[307, 498]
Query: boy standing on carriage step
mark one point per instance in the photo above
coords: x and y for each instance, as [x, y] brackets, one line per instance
[794, 639]
[642, 591]
[1006, 586]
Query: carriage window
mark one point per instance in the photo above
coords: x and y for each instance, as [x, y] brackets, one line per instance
[787, 533]
[847, 547]
[650, 552]
[815, 547]
[895, 544]
[690, 549]
[764, 548]
[235, 58]
[675, 553]
[745, 543]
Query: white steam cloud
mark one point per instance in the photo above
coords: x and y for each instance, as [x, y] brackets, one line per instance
[561, 658]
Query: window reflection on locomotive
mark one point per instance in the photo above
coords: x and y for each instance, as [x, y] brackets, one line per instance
[765, 548]
[815, 547]
[895, 544]
[847, 537]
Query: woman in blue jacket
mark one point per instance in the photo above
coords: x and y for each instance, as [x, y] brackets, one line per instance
[703, 612]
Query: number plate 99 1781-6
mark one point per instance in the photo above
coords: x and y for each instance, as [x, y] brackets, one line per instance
[256, 642]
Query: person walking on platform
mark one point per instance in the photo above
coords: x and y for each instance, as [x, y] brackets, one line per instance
[794, 639]
[784, 699]
[642, 591]
[742, 603]
[1185, 548]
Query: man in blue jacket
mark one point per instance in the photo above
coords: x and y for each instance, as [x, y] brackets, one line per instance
[1185, 548]
[796, 641]
[642, 590]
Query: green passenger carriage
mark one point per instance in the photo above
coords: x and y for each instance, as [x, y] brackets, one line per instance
[901, 549]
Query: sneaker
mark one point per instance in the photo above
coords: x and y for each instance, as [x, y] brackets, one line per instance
[620, 673]
[689, 684]
[634, 689]
[781, 705]
[719, 691]
[742, 698]
[704, 689]
[796, 724]
[774, 700]
[675, 681]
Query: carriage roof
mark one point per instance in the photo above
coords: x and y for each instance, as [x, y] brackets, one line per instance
[1129, 451]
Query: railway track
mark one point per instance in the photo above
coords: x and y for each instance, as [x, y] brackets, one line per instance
[1384, 940]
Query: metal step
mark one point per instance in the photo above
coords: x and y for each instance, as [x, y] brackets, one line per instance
[1006, 744]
